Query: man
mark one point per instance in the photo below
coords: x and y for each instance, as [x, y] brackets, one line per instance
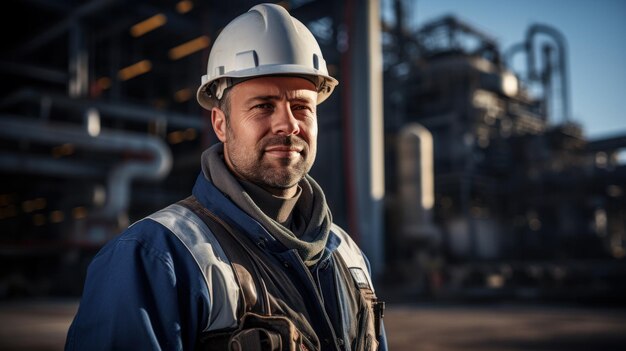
[251, 261]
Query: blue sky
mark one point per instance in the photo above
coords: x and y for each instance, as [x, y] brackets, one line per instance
[596, 37]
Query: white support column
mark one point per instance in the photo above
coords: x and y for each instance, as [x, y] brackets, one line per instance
[366, 101]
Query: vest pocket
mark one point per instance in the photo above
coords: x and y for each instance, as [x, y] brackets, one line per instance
[371, 344]
[366, 338]
[269, 333]
[256, 339]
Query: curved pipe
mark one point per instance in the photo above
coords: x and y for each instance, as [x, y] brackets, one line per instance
[561, 43]
[120, 177]
[511, 52]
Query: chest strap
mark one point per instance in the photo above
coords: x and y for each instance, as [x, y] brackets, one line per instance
[252, 300]
[258, 329]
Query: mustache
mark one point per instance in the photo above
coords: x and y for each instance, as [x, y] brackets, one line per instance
[285, 140]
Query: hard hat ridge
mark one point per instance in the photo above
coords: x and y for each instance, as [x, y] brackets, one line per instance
[264, 41]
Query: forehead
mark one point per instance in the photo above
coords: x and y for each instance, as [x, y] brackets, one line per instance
[278, 87]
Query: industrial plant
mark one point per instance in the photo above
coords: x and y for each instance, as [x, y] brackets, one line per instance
[457, 167]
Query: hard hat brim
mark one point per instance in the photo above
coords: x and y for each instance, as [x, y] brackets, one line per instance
[326, 84]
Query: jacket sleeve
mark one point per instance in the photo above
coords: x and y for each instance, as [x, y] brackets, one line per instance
[134, 300]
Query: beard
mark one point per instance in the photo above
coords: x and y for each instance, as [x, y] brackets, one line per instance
[256, 167]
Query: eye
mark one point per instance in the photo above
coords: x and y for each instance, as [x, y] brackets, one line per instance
[302, 108]
[264, 106]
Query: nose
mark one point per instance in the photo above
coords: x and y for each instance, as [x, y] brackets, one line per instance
[284, 122]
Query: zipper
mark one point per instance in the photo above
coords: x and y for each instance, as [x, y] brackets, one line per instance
[320, 300]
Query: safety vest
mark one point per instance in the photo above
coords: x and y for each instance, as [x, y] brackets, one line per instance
[274, 310]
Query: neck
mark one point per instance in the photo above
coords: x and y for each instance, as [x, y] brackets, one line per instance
[277, 208]
[285, 193]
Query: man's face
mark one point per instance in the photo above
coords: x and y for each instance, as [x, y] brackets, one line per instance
[271, 136]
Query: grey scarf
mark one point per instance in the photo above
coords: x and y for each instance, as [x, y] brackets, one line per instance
[311, 219]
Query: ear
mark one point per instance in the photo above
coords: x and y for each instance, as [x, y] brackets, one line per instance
[218, 120]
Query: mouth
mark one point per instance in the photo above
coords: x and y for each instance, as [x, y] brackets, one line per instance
[282, 151]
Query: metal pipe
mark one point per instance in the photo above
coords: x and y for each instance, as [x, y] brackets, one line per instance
[52, 32]
[511, 52]
[123, 111]
[33, 71]
[561, 43]
[14, 162]
[120, 176]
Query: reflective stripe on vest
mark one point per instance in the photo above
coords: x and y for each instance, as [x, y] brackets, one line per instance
[212, 261]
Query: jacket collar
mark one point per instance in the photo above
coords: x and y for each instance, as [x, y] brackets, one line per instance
[218, 203]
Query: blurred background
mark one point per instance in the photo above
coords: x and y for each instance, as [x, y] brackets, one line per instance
[476, 150]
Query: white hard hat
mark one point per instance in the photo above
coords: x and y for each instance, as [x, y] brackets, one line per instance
[264, 41]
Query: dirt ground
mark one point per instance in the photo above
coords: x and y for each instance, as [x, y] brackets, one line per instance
[42, 324]
[505, 328]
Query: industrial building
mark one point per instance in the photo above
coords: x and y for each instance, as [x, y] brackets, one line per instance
[491, 179]
[455, 172]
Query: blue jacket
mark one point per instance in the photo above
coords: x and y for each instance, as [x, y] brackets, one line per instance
[147, 290]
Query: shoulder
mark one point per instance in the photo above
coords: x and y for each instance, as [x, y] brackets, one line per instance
[347, 246]
[352, 255]
[148, 237]
[191, 231]
[173, 236]
[176, 242]
[142, 239]
[174, 228]
[203, 248]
